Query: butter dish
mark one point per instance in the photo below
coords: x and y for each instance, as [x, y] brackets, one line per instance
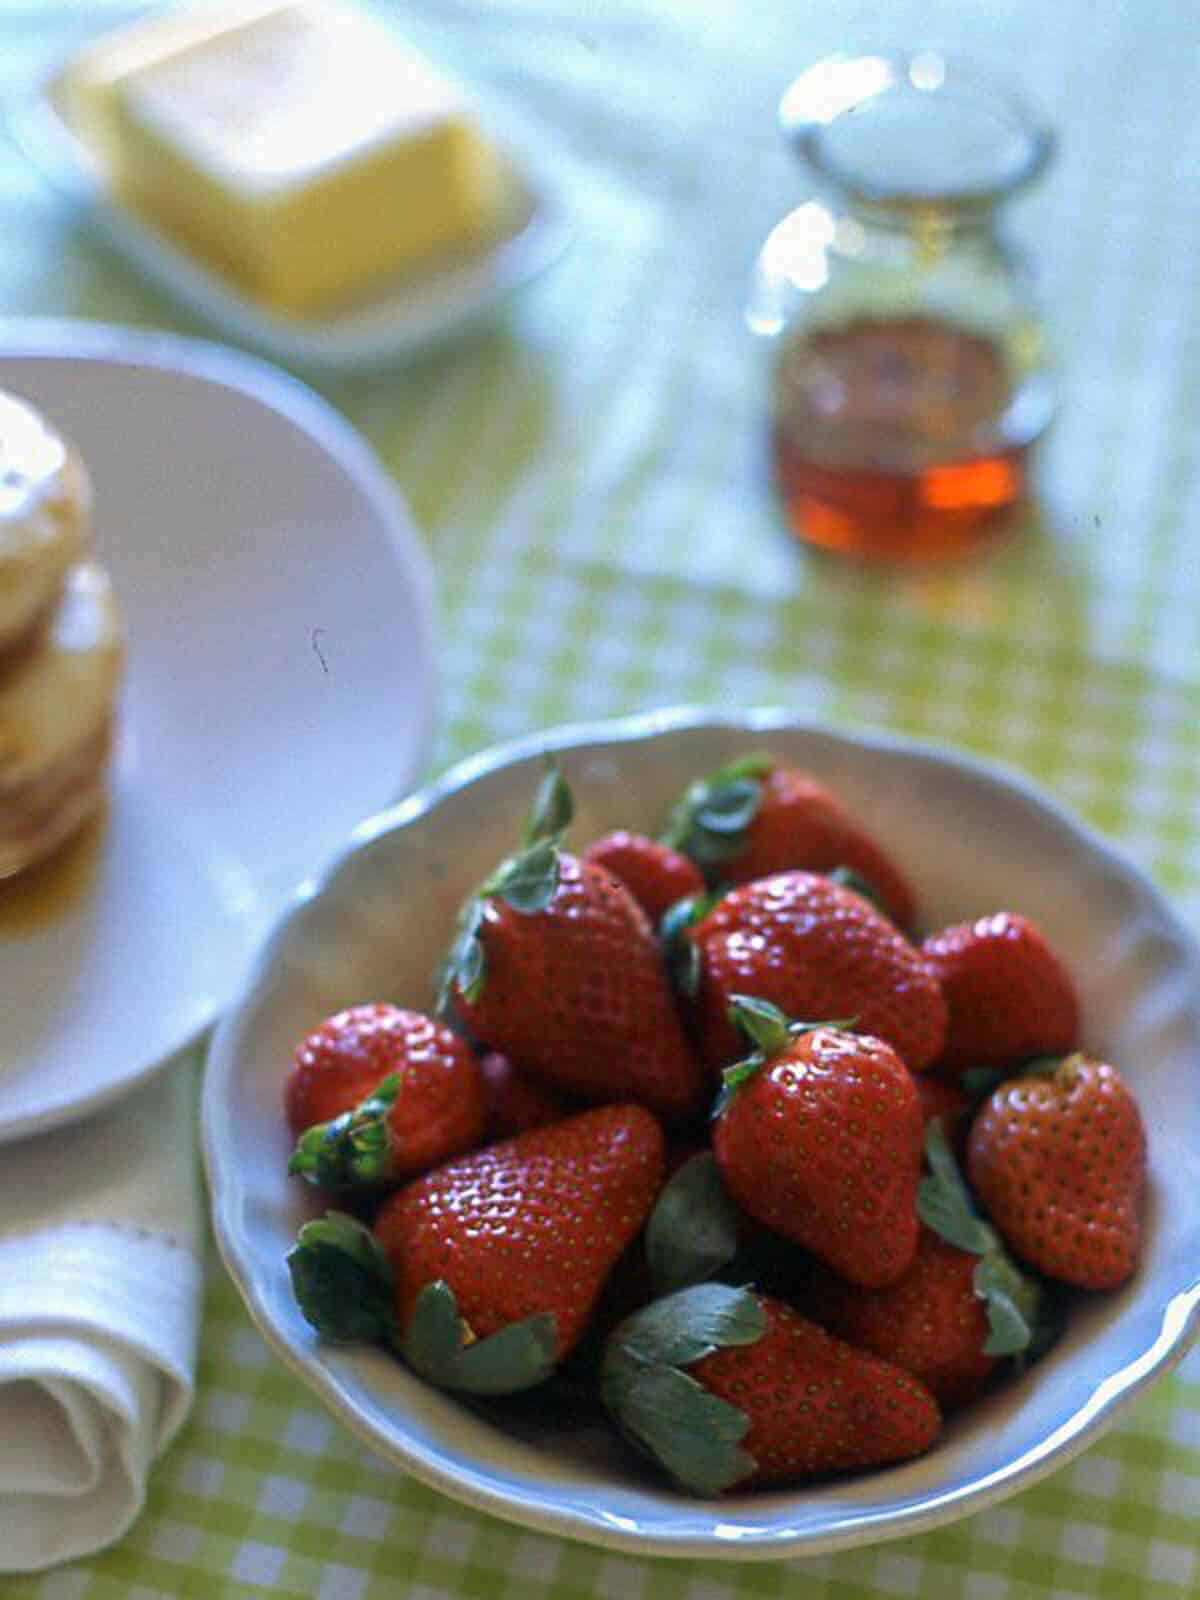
[65, 126]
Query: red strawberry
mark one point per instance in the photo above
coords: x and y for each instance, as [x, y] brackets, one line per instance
[757, 817]
[725, 1388]
[931, 1322]
[818, 1136]
[1059, 1164]
[515, 1102]
[557, 967]
[379, 1094]
[655, 875]
[483, 1274]
[815, 949]
[1008, 994]
[961, 1306]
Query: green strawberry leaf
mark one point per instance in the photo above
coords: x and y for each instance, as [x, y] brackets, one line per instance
[465, 967]
[682, 955]
[1050, 1321]
[353, 1150]
[694, 1435]
[980, 1082]
[692, 1231]
[434, 1334]
[518, 1356]
[710, 820]
[772, 1030]
[732, 1081]
[342, 1281]
[944, 1202]
[1012, 1303]
[729, 809]
[435, 1345]
[685, 1326]
[1040, 1066]
[553, 808]
[527, 882]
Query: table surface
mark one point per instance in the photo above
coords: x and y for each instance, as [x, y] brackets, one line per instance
[588, 472]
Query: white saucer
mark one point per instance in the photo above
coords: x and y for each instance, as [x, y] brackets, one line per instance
[281, 686]
[399, 318]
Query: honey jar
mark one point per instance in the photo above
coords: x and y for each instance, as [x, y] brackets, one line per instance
[908, 373]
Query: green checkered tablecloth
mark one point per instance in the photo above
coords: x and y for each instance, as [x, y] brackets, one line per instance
[588, 472]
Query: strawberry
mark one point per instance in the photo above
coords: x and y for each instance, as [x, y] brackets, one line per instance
[556, 966]
[378, 1094]
[514, 1102]
[931, 1322]
[961, 1306]
[726, 1388]
[655, 875]
[816, 949]
[818, 1136]
[757, 817]
[1008, 994]
[484, 1273]
[1058, 1159]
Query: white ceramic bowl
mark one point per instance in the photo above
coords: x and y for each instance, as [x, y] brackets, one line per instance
[974, 839]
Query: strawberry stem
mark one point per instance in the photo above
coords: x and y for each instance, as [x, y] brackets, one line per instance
[767, 1027]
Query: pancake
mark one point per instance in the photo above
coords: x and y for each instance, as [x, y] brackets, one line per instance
[45, 508]
[57, 718]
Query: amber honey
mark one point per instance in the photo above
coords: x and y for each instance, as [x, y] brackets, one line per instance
[894, 438]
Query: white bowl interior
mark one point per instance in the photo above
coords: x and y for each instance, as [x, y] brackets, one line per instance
[974, 840]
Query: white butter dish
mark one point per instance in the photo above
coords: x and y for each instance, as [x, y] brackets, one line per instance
[397, 317]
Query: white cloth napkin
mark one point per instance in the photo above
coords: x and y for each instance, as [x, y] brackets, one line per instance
[100, 1287]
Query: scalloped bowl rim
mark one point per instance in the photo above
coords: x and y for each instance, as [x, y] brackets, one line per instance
[724, 1537]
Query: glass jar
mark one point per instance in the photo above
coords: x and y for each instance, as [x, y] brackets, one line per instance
[908, 377]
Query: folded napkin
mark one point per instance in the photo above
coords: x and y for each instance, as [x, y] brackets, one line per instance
[100, 1285]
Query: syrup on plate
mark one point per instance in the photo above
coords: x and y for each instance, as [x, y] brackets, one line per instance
[40, 896]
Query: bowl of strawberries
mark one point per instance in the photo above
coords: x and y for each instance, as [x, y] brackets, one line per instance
[718, 1136]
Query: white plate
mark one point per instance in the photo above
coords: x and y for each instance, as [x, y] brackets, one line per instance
[974, 839]
[399, 318]
[280, 687]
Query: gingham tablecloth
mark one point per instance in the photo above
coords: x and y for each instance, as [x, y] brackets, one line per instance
[589, 474]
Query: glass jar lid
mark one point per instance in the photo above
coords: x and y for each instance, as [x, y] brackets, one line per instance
[914, 129]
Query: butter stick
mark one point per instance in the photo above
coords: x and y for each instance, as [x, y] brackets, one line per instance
[299, 149]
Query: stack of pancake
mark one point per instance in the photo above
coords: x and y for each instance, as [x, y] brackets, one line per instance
[61, 643]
